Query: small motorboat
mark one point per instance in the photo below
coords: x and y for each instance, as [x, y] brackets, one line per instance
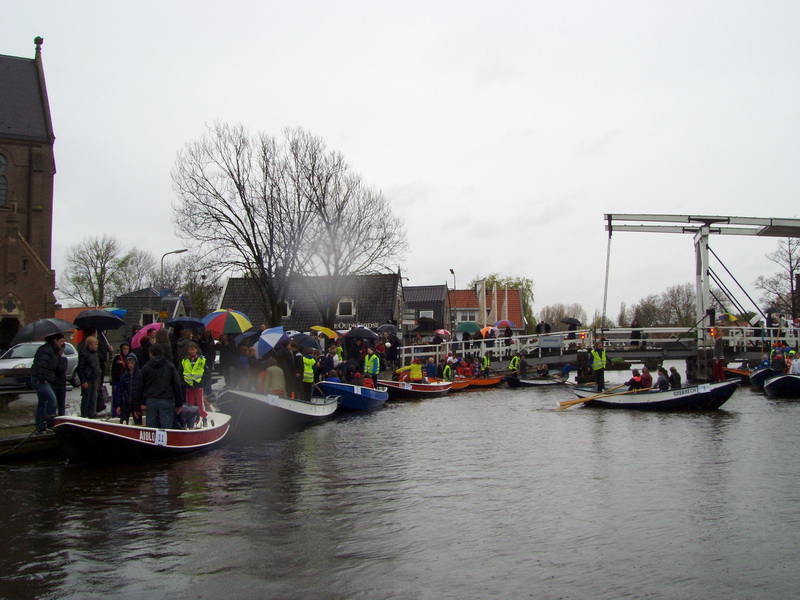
[783, 386]
[267, 416]
[743, 374]
[477, 383]
[98, 440]
[456, 386]
[706, 396]
[514, 382]
[355, 397]
[411, 390]
[759, 375]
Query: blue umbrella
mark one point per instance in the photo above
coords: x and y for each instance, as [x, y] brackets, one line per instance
[248, 337]
[270, 339]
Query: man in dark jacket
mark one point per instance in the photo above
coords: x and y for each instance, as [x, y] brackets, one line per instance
[43, 379]
[159, 390]
[89, 374]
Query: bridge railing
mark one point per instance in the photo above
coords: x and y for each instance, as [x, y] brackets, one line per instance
[743, 339]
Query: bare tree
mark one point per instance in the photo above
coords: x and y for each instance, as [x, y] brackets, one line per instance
[622, 319]
[196, 281]
[274, 211]
[93, 271]
[137, 271]
[678, 305]
[554, 313]
[353, 230]
[239, 207]
[780, 289]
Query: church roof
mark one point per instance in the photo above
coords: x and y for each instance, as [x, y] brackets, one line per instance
[24, 113]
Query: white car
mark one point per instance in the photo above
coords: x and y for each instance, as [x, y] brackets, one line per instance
[21, 357]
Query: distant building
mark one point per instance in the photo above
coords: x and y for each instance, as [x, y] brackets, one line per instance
[466, 306]
[370, 300]
[27, 171]
[147, 306]
[431, 306]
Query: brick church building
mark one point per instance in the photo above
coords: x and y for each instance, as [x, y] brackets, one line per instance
[27, 170]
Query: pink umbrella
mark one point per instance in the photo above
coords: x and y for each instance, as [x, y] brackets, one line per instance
[136, 340]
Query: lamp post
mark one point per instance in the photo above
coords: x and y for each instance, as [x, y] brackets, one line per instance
[452, 310]
[181, 251]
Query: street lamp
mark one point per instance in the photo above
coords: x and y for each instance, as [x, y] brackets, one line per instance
[452, 310]
[181, 251]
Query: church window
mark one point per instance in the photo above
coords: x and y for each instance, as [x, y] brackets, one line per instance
[3, 181]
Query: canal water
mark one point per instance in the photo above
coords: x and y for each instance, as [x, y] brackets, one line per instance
[476, 495]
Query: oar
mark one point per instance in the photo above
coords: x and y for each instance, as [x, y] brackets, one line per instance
[568, 403]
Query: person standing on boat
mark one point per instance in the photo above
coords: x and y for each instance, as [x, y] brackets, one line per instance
[89, 373]
[193, 368]
[43, 379]
[159, 390]
[674, 379]
[309, 365]
[414, 370]
[778, 362]
[372, 365]
[599, 360]
[486, 363]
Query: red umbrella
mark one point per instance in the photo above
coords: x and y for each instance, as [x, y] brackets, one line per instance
[136, 340]
[442, 332]
[505, 323]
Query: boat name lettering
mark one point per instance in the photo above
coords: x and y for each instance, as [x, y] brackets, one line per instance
[147, 436]
[684, 391]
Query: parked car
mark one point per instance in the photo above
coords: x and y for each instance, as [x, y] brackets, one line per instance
[21, 357]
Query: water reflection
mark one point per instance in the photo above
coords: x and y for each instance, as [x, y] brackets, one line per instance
[491, 494]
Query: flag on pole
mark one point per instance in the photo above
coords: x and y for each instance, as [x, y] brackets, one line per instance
[493, 311]
[505, 304]
[480, 290]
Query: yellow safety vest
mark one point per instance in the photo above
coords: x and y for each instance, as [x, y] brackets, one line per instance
[308, 369]
[372, 364]
[514, 364]
[193, 371]
[598, 360]
[486, 361]
[415, 370]
[447, 373]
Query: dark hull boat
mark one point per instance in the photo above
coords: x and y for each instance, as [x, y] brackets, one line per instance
[355, 397]
[266, 416]
[759, 376]
[407, 390]
[706, 396]
[783, 386]
[97, 440]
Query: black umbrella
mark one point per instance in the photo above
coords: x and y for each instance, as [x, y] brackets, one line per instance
[186, 323]
[362, 332]
[305, 341]
[33, 332]
[248, 337]
[388, 328]
[98, 319]
[571, 321]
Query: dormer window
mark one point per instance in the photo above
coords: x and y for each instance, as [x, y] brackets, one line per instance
[286, 310]
[346, 308]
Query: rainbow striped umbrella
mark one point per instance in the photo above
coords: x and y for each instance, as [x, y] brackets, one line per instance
[226, 321]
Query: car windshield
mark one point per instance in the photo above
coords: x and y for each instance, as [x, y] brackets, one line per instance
[22, 351]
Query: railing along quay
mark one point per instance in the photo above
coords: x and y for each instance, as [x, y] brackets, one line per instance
[655, 343]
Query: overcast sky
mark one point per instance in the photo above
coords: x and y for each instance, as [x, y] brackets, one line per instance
[501, 132]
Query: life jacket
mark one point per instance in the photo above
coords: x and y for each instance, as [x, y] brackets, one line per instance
[372, 364]
[415, 370]
[598, 360]
[486, 361]
[193, 371]
[447, 373]
[308, 369]
[514, 364]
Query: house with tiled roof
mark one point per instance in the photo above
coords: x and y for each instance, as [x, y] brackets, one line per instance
[466, 306]
[368, 300]
[27, 172]
[431, 306]
[147, 306]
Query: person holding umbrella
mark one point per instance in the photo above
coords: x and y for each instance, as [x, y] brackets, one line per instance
[43, 379]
